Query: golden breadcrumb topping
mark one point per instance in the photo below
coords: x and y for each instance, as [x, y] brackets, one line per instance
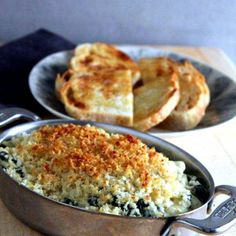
[93, 152]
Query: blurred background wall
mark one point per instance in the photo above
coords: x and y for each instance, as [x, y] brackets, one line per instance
[209, 23]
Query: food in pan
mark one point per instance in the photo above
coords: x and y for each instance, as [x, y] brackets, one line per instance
[171, 94]
[86, 167]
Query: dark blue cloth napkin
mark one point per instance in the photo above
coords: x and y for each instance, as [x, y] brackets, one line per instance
[17, 58]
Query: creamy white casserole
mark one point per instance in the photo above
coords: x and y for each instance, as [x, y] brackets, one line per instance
[87, 167]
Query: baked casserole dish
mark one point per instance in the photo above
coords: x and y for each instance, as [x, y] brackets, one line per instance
[87, 167]
[64, 177]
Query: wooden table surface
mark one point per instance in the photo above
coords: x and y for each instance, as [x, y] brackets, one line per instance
[215, 148]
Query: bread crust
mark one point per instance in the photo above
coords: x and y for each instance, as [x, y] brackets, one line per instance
[194, 99]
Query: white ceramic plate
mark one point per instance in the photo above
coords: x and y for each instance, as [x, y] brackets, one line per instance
[222, 107]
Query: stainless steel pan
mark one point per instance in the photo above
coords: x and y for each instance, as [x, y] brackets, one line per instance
[54, 218]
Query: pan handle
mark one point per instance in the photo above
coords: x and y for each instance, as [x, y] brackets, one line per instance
[221, 219]
[8, 115]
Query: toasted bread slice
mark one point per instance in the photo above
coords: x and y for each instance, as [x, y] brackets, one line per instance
[100, 57]
[152, 68]
[105, 98]
[155, 100]
[194, 99]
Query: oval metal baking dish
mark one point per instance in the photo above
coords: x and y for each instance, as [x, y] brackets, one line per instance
[55, 218]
